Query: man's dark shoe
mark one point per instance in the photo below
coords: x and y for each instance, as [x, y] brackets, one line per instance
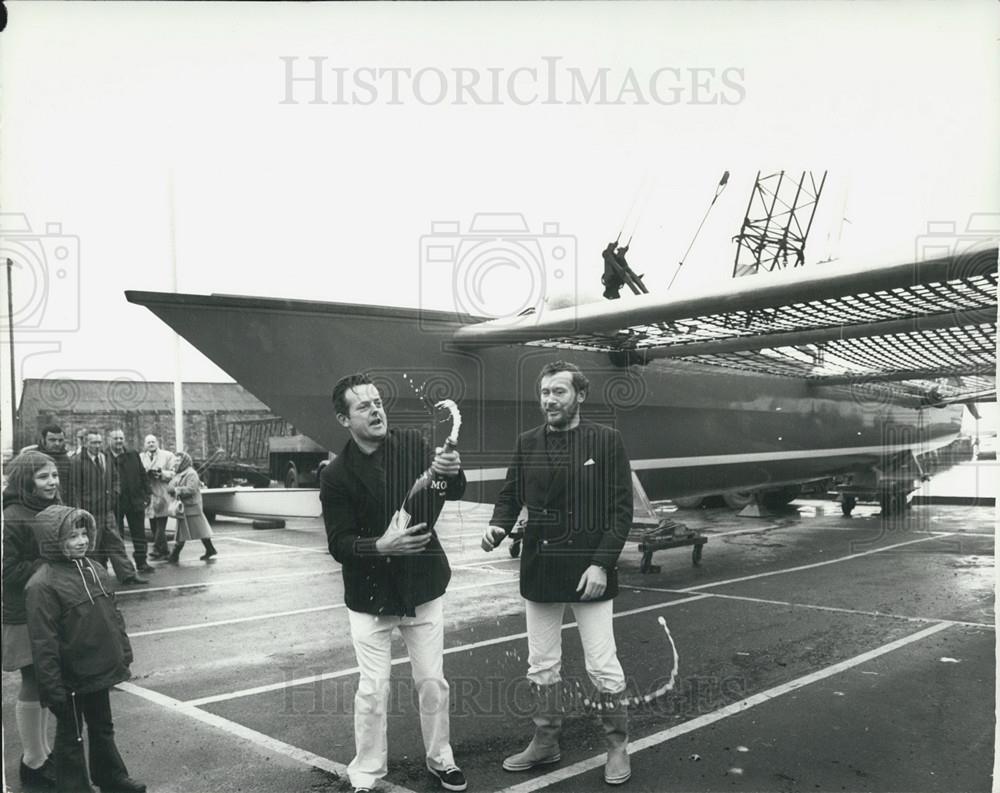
[451, 778]
[159, 556]
[123, 785]
[134, 580]
[41, 778]
[144, 568]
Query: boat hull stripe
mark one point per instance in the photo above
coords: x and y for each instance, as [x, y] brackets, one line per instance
[655, 463]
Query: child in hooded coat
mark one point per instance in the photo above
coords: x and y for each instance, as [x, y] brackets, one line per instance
[80, 650]
[32, 486]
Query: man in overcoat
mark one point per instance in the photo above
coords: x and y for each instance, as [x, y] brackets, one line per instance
[159, 465]
[131, 496]
[92, 486]
[394, 576]
[574, 479]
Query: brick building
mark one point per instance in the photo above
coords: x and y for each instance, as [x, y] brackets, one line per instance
[139, 408]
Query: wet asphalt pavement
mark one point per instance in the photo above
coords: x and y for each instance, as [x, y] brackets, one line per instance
[817, 653]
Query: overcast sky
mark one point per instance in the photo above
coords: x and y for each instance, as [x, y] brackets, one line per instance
[584, 116]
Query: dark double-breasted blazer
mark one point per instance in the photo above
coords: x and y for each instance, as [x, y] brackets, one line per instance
[579, 512]
[93, 485]
[358, 503]
[133, 489]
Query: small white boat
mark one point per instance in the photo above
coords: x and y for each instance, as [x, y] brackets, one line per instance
[258, 503]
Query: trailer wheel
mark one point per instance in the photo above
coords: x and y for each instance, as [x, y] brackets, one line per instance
[847, 505]
[291, 476]
[892, 502]
[688, 502]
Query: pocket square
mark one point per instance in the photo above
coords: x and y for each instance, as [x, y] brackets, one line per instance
[590, 461]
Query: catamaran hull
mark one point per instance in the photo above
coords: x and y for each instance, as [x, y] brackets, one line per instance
[689, 428]
[262, 503]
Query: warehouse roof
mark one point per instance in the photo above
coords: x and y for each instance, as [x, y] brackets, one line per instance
[124, 394]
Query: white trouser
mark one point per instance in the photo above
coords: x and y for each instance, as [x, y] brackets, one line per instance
[424, 637]
[595, 622]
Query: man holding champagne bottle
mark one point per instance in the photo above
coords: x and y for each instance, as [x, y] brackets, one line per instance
[395, 571]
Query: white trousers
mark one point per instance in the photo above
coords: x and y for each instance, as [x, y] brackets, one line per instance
[595, 622]
[424, 637]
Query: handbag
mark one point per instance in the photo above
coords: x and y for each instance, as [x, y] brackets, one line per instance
[176, 509]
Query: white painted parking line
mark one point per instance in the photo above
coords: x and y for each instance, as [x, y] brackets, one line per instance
[277, 614]
[736, 708]
[307, 548]
[353, 670]
[654, 606]
[467, 536]
[812, 566]
[487, 563]
[226, 556]
[461, 648]
[858, 612]
[227, 582]
[234, 621]
[265, 742]
[334, 570]
[273, 615]
[811, 529]
[816, 607]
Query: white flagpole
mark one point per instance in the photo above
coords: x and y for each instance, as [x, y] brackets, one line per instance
[178, 391]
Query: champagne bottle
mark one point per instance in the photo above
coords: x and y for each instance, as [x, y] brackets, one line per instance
[426, 498]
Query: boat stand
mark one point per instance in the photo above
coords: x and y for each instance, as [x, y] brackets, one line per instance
[654, 533]
[673, 535]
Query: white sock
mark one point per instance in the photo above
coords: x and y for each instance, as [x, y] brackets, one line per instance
[45, 732]
[28, 716]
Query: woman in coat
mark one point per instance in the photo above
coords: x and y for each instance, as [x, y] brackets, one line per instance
[32, 486]
[186, 514]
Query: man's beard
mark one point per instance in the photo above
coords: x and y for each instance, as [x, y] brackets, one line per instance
[565, 417]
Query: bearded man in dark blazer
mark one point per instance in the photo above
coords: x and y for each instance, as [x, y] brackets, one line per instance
[394, 575]
[574, 479]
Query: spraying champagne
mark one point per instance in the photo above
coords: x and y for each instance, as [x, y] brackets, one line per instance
[419, 501]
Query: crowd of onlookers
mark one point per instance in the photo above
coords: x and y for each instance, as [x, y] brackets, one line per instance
[124, 487]
[64, 514]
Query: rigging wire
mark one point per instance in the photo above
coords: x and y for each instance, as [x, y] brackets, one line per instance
[718, 191]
